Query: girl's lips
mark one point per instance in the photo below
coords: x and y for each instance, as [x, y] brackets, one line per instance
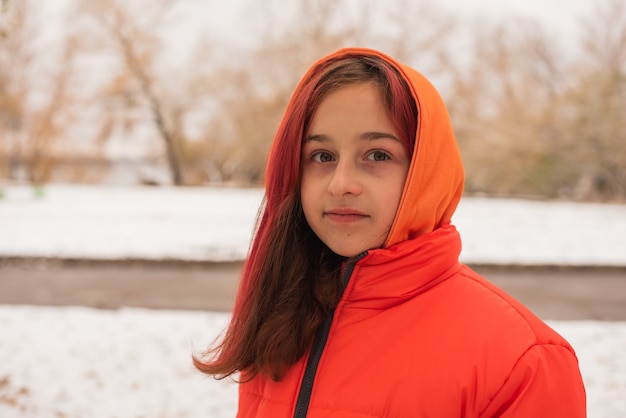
[345, 215]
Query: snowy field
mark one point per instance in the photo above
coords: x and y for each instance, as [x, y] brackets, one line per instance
[216, 224]
[83, 363]
[79, 362]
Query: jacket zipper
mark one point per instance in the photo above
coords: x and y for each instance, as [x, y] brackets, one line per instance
[319, 342]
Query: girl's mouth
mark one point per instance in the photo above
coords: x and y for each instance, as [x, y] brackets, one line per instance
[345, 215]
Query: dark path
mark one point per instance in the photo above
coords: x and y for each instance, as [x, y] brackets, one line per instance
[110, 285]
[552, 293]
[565, 293]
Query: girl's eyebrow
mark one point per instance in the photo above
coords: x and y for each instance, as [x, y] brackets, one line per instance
[370, 136]
[366, 136]
[316, 138]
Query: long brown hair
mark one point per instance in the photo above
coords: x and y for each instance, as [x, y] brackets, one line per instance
[290, 282]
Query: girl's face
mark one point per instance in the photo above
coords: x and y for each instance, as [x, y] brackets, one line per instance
[353, 170]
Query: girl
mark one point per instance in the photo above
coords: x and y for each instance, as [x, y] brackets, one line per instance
[353, 302]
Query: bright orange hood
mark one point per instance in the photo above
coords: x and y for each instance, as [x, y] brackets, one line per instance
[434, 183]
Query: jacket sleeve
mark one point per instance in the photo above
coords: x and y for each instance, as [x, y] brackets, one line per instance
[545, 382]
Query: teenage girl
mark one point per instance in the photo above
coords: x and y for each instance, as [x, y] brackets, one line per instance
[353, 302]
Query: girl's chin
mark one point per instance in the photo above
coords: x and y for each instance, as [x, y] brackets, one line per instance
[348, 252]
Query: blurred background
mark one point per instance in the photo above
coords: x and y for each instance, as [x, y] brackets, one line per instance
[189, 92]
[133, 142]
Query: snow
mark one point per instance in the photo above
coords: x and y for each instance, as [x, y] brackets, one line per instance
[216, 224]
[79, 362]
[82, 362]
[508, 231]
[128, 222]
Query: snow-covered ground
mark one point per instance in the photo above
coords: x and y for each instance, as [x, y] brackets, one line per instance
[81, 362]
[216, 224]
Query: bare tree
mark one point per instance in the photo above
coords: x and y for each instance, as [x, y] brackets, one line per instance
[502, 108]
[130, 31]
[36, 99]
[594, 108]
[530, 123]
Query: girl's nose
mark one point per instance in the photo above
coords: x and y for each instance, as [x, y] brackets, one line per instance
[344, 180]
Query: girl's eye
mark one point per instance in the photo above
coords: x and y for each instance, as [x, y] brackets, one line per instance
[378, 156]
[322, 157]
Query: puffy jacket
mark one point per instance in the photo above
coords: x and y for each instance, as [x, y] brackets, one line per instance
[416, 333]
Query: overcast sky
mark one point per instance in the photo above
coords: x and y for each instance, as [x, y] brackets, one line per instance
[561, 15]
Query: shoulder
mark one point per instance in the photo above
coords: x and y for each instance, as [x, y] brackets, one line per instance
[510, 346]
[501, 309]
[485, 322]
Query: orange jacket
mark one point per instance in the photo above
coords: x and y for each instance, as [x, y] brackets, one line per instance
[416, 333]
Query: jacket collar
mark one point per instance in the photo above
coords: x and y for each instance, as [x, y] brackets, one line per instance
[386, 277]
